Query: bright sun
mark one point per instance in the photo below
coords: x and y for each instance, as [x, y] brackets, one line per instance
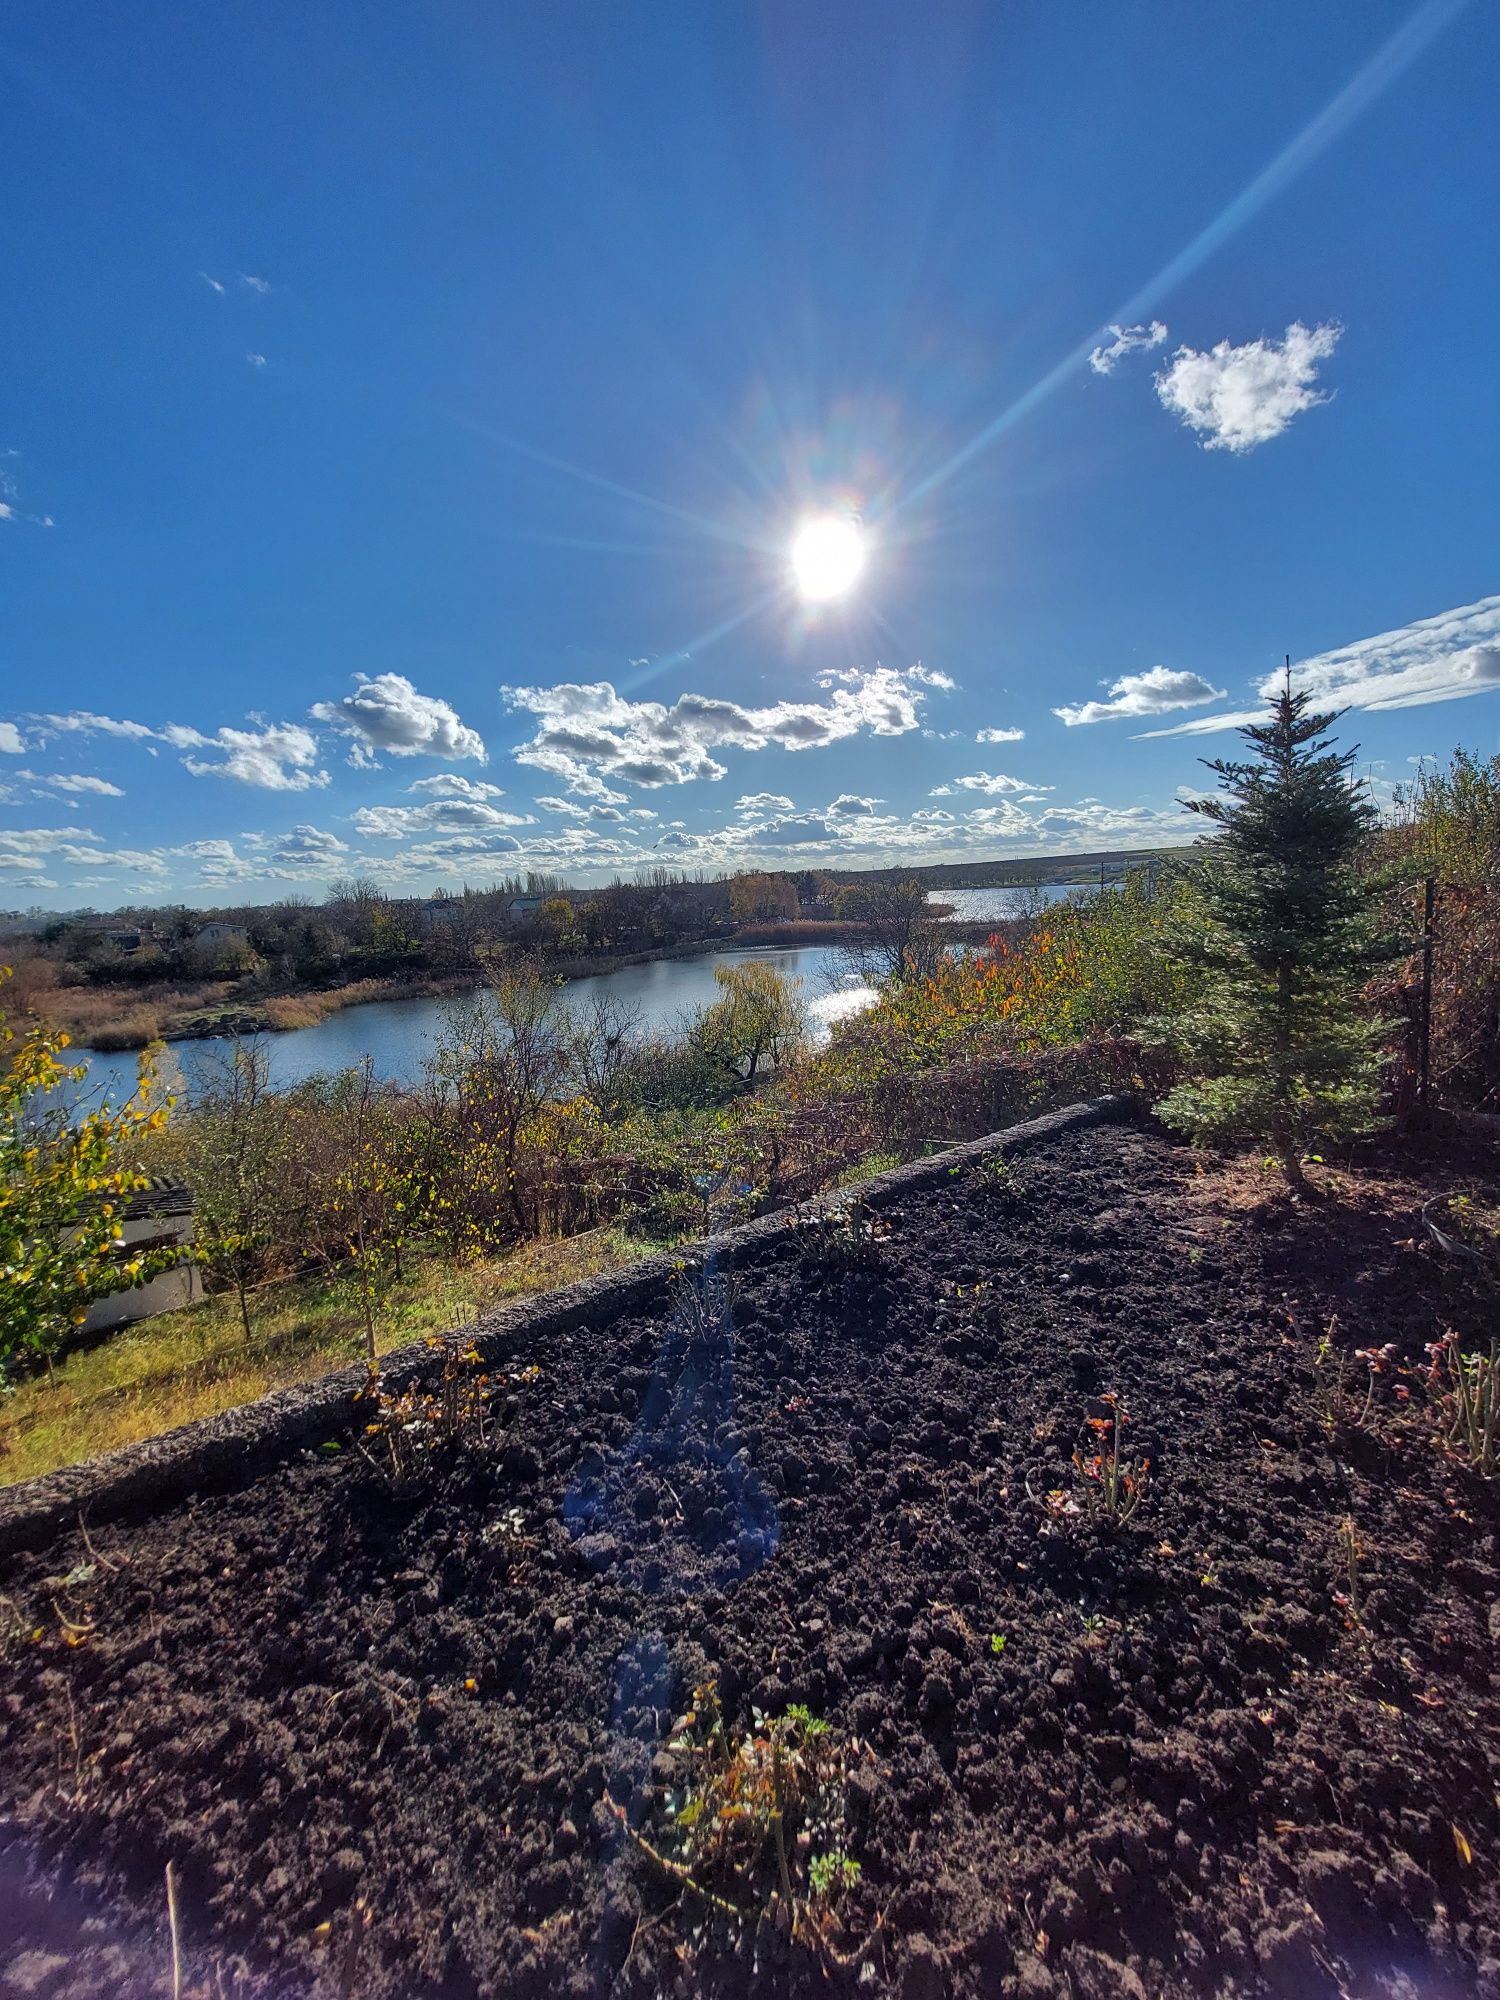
[828, 556]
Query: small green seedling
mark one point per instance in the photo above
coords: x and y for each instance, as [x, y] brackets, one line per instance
[997, 1642]
[830, 1872]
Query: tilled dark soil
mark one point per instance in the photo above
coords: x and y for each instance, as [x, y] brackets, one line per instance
[380, 1734]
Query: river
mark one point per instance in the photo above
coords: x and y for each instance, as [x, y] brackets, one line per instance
[398, 1034]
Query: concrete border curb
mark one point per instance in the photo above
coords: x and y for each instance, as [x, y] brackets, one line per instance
[220, 1454]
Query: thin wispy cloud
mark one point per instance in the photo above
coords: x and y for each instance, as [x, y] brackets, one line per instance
[999, 735]
[1239, 397]
[11, 507]
[256, 360]
[254, 284]
[78, 782]
[1445, 658]
[1127, 340]
[83, 721]
[213, 284]
[1150, 693]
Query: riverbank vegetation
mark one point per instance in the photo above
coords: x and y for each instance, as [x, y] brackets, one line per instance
[533, 1126]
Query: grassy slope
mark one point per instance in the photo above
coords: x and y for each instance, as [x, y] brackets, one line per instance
[195, 1363]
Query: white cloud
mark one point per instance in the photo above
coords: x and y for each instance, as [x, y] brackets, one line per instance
[473, 846]
[1457, 653]
[753, 802]
[1127, 340]
[587, 732]
[82, 721]
[10, 740]
[213, 284]
[305, 846]
[256, 360]
[27, 842]
[851, 805]
[999, 735]
[439, 815]
[386, 713]
[800, 830]
[1239, 397]
[454, 785]
[277, 757]
[992, 782]
[75, 782]
[10, 494]
[1150, 693]
[254, 284]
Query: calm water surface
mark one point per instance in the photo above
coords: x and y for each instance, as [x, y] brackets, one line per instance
[398, 1034]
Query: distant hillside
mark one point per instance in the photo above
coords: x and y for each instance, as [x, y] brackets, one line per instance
[1011, 874]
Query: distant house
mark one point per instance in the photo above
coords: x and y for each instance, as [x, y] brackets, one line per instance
[221, 934]
[159, 1217]
[441, 911]
[521, 909]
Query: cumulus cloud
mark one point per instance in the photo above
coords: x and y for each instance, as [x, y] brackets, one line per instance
[73, 781]
[1127, 340]
[1150, 693]
[10, 740]
[305, 846]
[1239, 397]
[851, 805]
[25, 843]
[797, 831]
[992, 782]
[454, 785]
[469, 846]
[385, 712]
[276, 757]
[999, 735]
[1457, 653]
[438, 815]
[776, 802]
[587, 733]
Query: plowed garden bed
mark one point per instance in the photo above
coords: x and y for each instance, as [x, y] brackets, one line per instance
[383, 1734]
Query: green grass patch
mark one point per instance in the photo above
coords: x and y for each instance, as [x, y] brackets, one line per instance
[195, 1363]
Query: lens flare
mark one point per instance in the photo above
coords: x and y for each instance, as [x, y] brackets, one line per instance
[827, 557]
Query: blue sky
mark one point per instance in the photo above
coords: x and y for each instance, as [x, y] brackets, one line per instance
[407, 414]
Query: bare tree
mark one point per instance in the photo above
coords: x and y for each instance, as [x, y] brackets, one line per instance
[900, 939]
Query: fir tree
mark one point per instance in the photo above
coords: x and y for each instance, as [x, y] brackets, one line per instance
[1281, 930]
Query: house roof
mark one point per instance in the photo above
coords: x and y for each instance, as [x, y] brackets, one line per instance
[163, 1197]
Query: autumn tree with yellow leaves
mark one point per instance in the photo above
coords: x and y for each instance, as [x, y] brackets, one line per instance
[66, 1178]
